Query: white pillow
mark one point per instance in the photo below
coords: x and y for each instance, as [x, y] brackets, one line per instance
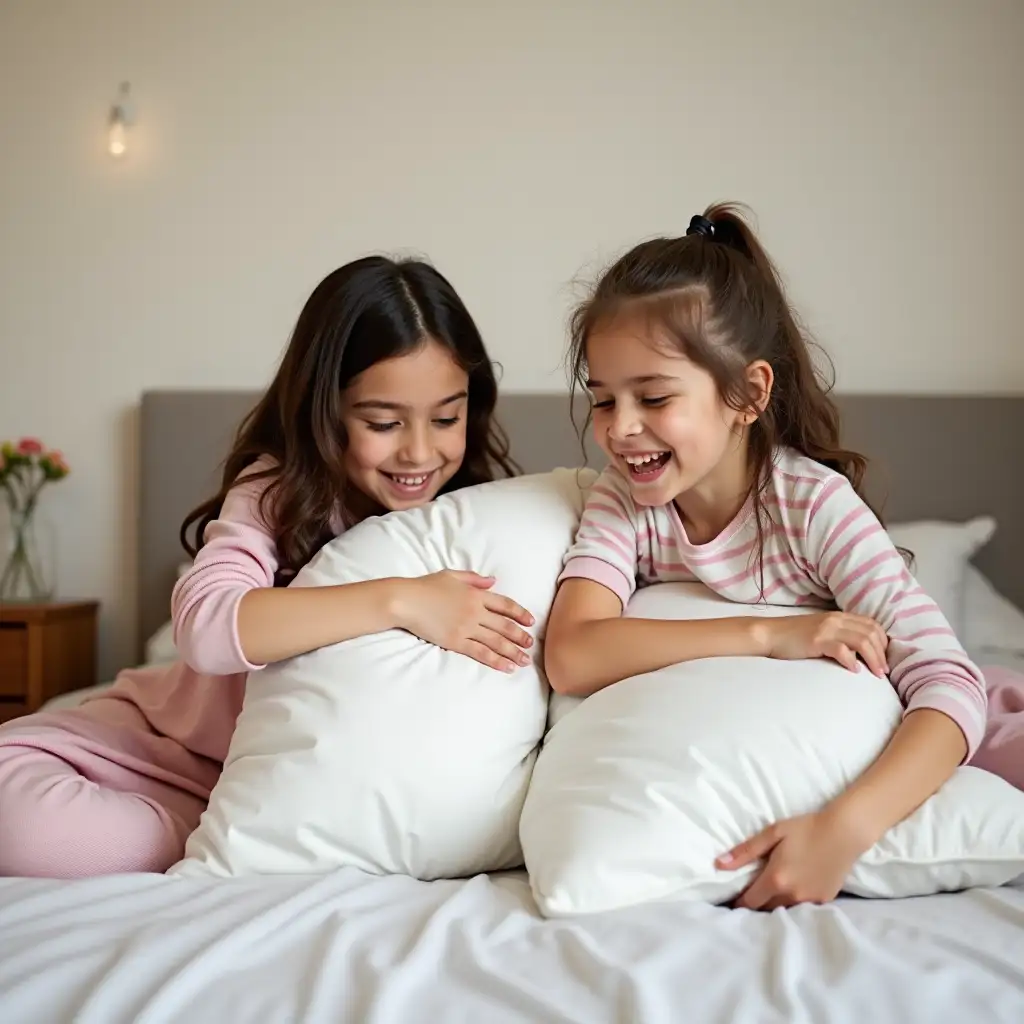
[942, 551]
[991, 621]
[641, 786]
[386, 753]
[160, 647]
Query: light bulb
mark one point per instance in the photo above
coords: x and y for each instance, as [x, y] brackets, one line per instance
[116, 143]
[121, 116]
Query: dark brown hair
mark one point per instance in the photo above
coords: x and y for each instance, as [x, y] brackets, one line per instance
[369, 310]
[719, 298]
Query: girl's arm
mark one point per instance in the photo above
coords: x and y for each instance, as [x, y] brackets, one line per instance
[238, 556]
[229, 618]
[809, 857]
[274, 624]
[855, 559]
[941, 688]
[450, 609]
[922, 754]
[589, 644]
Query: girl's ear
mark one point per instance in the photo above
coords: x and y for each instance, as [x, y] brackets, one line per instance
[761, 379]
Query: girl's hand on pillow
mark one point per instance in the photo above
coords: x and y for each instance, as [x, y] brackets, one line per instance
[841, 636]
[458, 612]
[808, 859]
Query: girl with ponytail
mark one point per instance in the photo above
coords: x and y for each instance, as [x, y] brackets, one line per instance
[726, 467]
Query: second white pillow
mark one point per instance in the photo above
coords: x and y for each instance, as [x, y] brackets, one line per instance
[640, 787]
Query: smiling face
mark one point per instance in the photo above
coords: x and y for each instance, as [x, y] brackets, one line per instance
[659, 418]
[405, 419]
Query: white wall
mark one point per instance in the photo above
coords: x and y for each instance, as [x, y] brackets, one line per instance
[881, 145]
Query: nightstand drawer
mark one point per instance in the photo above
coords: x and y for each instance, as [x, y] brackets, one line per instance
[45, 650]
[13, 660]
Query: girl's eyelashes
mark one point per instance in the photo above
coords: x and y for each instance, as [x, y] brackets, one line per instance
[652, 402]
[382, 428]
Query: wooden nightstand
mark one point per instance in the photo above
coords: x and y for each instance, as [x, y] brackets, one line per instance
[45, 650]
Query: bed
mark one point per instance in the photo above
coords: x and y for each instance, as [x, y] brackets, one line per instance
[348, 947]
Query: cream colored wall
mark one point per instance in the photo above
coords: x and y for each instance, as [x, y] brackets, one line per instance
[881, 145]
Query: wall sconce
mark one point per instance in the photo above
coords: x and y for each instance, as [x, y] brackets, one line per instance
[121, 117]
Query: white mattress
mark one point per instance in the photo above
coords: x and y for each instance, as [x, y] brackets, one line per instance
[145, 949]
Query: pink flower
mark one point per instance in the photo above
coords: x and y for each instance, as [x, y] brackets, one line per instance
[53, 465]
[30, 446]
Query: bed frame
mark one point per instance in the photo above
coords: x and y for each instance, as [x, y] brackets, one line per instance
[937, 457]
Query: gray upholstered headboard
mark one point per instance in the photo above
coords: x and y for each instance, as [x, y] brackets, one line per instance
[932, 457]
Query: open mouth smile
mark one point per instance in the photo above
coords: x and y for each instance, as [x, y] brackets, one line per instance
[410, 485]
[647, 467]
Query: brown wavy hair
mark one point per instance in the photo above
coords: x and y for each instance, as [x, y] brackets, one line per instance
[719, 298]
[367, 311]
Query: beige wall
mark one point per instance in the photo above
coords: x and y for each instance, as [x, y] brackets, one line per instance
[880, 143]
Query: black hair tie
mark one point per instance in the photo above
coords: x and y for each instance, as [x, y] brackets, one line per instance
[700, 225]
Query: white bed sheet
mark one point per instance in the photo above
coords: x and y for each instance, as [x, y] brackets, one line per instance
[145, 949]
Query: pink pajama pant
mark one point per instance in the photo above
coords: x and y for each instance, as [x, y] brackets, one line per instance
[95, 791]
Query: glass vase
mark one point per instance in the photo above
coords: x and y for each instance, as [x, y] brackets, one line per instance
[26, 563]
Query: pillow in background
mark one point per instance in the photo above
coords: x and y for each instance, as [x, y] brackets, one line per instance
[991, 621]
[386, 753]
[160, 647]
[942, 552]
[640, 787]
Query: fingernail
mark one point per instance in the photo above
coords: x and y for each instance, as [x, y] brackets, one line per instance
[725, 859]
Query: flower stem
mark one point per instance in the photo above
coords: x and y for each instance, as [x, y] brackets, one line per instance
[19, 568]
